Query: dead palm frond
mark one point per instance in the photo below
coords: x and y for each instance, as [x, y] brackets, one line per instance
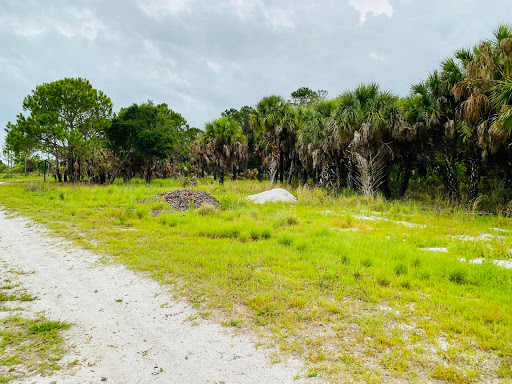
[506, 46]
[474, 108]
[483, 134]
[462, 90]
[449, 130]
[497, 136]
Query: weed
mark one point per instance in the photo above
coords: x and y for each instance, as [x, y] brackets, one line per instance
[458, 276]
[206, 210]
[367, 262]
[32, 186]
[47, 326]
[312, 373]
[285, 240]
[453, 375]
[345, 259]
[401, 269]
[168, 219]
[236, 323]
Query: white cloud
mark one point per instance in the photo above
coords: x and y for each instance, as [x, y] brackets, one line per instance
[214, 66]
[73, 22]
[192, 102]
[277, 17]
[27, 30]
[243, 8]
[377, 7]
[84, 24]
[377, 57]
[158, 8]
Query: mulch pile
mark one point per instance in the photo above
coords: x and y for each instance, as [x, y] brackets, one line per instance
[181, 199]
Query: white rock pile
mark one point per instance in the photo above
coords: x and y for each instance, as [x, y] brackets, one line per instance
[275, 195]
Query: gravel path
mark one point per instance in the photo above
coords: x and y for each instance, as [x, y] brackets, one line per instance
[126, 328]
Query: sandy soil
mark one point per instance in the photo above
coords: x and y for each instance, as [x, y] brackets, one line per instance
[126, 328]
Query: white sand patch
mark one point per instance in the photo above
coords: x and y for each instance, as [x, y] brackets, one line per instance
[501, 230]
[500, 263]
[375, 218]
[275, 195]
[126, 328]
[481, 237]
[435, 249]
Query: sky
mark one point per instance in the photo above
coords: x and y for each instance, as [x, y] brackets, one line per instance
[202, 57]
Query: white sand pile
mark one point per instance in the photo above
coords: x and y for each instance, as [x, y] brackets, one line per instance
[275, 195]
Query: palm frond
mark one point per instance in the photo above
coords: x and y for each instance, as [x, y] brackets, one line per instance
[461, 90]
[504, 31]
[474, 108]
[465, 56]
[502, 94]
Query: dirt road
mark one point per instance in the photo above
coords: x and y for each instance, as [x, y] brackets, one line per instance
[126, 328]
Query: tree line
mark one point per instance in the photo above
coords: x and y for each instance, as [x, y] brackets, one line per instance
[453, 128]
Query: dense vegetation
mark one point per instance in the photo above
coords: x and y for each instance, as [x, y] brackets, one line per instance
[453, 130]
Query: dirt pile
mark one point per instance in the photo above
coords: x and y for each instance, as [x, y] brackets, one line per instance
[181, 199]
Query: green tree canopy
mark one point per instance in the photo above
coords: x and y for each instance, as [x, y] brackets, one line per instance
[305, 96]
[63, 118]
[151, 132]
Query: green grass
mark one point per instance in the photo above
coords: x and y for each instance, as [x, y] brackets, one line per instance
[27, 346]
[322, 278]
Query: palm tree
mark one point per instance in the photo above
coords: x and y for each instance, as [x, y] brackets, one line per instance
[409, 140]
[225, 144]
[501, 98]
[320, 145]
[441, 121]
[273, 119]
[483, 101]
[365, 113]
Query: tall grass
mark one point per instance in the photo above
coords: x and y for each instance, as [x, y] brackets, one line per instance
[328, 276]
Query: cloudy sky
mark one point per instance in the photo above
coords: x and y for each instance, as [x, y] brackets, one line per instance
[204, 56]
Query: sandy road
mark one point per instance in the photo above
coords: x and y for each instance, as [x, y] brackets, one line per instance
[126, 328]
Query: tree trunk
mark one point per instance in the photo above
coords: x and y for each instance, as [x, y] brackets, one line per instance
[272, 169]
[291, 171]
[315, 176]
[386, 190]
[324, 175]
[234, 173]
[281, 167]
[221, 176]
[25, 165]
[305, 174]
[70, 172]
[350, 174]
[114, 174]
[475, 163]
[452, 181]
[404, 183]
[149, 172]
[57, 169]
[508, 181]
[246, 165]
